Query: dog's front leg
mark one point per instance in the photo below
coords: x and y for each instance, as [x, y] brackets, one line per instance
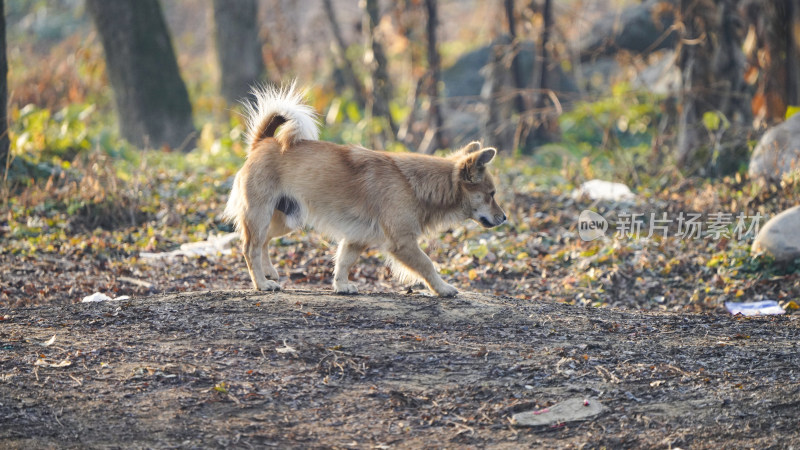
[346, 256]
[407, 252]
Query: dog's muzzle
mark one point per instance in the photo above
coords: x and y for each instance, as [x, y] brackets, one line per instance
[498, 220]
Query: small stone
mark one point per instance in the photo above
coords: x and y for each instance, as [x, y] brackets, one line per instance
[780, 236]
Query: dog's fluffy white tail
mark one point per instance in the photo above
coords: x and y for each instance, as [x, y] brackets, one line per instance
[235, 208]
[276, 112]
[280, 109]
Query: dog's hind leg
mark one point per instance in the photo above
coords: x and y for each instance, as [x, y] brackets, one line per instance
[407, 252]
[277, 228]
[346, 256]
[255, 232]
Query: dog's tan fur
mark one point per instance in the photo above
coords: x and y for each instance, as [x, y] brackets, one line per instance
[358, 196]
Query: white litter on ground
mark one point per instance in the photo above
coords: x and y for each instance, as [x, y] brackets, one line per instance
[214, 245]
[100, 297]
[570, 410]
[603, 190]
[762, 308]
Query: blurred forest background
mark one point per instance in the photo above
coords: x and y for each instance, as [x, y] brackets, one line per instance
[124, 132]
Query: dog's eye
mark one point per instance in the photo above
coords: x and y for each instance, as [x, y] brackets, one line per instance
[491, 194]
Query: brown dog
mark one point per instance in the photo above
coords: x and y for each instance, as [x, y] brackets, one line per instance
[358, 196]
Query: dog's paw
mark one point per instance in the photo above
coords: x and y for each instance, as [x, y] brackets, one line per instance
[345, 288]
[269, 285]
[271, 273]
[445, 290]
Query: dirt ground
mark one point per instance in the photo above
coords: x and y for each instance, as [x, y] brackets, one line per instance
[310, 369]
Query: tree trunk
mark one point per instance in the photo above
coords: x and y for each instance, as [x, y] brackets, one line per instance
[4, 141]
[152, 102]
[516, 71]
[241, 63]
[545, 125]
[711, 65]
[409, 16]
[776, 54]
[339, 48]
[378, 87]
[498, 131]
[793, 51]
[434, 67]
[544, 59]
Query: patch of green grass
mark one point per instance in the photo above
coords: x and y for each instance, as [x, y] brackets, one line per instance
[611, 137]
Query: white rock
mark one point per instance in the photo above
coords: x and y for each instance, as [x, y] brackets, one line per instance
[778, 151]
[603, 190]
[780, 236]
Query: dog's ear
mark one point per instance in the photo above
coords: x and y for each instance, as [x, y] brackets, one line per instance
[486, 155]
[472, 147]
[473, 166]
